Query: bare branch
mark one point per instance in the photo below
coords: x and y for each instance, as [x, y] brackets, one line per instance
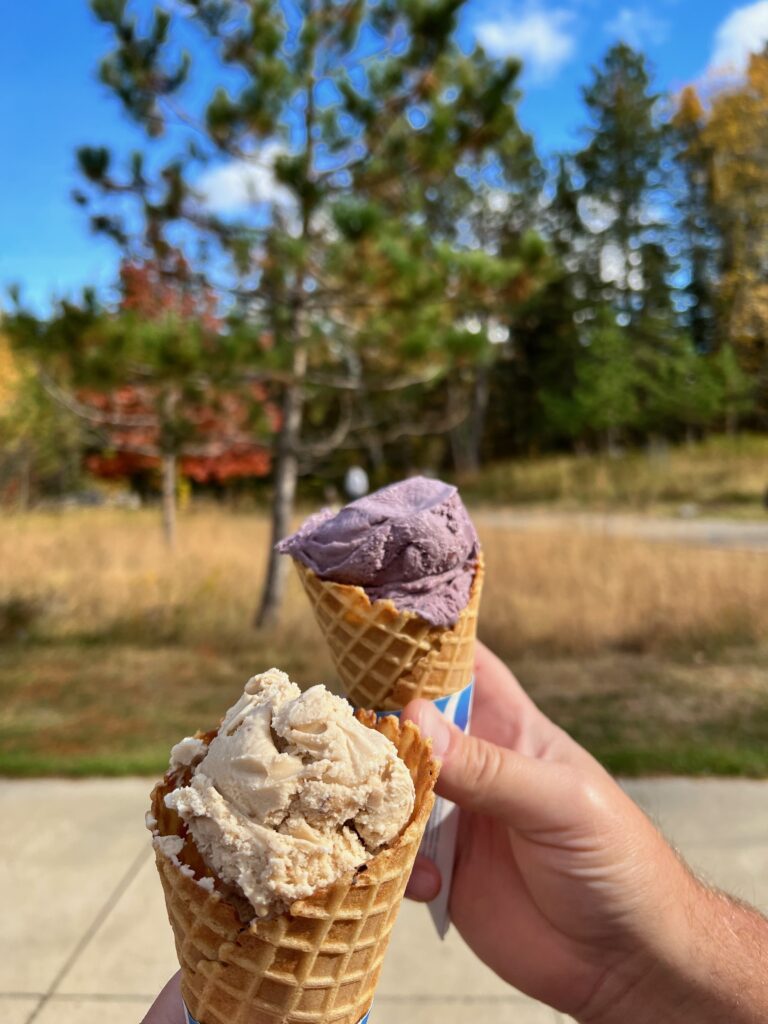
[422, 428]
[202, 450]
[86, 412]
[438, 424]
[214, 449]
[361, 385]
[149, 450]
[332, 441]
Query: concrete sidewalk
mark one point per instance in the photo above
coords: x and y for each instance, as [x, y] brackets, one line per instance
[84, 937]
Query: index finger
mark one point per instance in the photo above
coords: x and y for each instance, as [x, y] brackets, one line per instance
[502, 711]
[168, 1007]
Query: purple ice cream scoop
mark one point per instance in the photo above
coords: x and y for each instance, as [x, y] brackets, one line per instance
[412, 542]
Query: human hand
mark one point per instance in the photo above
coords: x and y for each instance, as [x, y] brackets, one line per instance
[167, 1008]
[562, 885]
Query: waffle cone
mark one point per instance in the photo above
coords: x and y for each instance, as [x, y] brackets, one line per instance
[319, 963]
[384, 656]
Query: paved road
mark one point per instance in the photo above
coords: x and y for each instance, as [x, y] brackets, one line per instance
[84, 938]
[721, 533]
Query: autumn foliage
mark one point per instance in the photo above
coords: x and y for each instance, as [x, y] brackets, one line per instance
[224, 451]
[218, 441]
[727, 145]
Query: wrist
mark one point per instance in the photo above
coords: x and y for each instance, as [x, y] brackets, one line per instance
[649, 982]
[642, 990]
[704, 965]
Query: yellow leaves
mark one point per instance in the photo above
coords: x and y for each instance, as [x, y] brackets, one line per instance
[736, 134]
[757, 74]
[690, 109]
[746, 298]
[11, 374]
[730, 141]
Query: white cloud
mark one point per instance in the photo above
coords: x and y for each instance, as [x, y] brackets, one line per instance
[247, 182]
[540, 37]
[637, 26]
[743, 32]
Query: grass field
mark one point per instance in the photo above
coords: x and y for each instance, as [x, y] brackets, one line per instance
[653, 655]
[727, 475]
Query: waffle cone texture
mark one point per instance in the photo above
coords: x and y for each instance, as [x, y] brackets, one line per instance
[386, 657]
[318, 963]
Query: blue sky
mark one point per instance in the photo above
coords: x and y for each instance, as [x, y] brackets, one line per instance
[51, 102]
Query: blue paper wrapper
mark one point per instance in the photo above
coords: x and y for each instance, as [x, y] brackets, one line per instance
[439, 842]
[191, 1020]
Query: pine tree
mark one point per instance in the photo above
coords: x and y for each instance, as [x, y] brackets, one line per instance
[368, 124]
[628, 171]
[622, 177]
[697, 231]
[736, 388]
[605, 394]
[549, 333]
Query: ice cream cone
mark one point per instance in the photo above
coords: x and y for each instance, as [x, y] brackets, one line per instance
[320, 962]
[386, 657]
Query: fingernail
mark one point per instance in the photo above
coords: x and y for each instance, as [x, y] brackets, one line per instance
[433, 725]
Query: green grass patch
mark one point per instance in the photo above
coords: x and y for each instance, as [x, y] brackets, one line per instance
[80, 710]
[21, 765]
[700, 760]
[646, 715]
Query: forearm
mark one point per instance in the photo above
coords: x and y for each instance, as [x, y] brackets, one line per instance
[714, 970]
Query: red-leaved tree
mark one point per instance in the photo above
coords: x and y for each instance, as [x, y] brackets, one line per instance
[166, 391]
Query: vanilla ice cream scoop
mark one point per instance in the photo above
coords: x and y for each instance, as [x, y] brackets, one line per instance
[292, 793]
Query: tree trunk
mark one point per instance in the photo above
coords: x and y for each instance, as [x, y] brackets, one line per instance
[375, 450]
[480, 396]
[283, 500]
[731, 421]
[169, 499]
[457, 435]
[287, 455]
[467, 437]
[611, 442]
[25, 481]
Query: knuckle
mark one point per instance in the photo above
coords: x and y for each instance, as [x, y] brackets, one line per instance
[598, 802]
[587, 793]
[484, 765]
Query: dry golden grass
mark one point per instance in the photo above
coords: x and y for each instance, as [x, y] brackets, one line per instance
[579, 592]
[720, 472]
[625, 643]
[100, 572]
[106, 574]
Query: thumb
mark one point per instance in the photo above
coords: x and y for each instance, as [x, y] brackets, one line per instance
[524, 792]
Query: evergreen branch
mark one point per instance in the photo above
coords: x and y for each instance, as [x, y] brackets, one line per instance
[184, 118]
[338, 299]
